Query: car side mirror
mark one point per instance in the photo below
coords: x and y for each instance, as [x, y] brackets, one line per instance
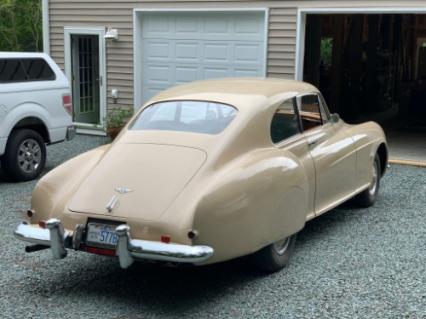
[335, 118]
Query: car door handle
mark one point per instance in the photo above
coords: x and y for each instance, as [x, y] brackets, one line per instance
[313, 142]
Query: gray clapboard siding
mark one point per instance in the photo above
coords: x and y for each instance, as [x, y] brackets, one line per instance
[119, 14]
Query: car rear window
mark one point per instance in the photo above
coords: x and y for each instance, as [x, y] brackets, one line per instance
[187, 116]
[25, 70]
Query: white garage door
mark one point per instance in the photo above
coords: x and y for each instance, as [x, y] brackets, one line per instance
[183, 47]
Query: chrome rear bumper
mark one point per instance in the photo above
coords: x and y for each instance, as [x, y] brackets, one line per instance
[127, 250]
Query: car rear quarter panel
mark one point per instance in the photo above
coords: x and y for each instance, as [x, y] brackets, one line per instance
[253, 202]
[53, 192]
[367, 138]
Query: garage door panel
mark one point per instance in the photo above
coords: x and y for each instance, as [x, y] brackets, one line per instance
[246, 72]
[216, 52]
[158, 74]
[155, 50]
[183, 47]
[184, 74]
[187, 51]
[214, 25]
[248, 53]
[211, 73]
[246, 27]
[187, 25]
[157, 26]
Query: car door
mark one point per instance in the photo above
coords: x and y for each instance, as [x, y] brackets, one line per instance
[332, 151]
[286, 134]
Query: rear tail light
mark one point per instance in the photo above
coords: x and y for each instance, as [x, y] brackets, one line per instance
[42, 224]
[166, 239]
[67, 103]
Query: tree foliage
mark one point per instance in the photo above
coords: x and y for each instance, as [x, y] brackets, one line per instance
[20, 25]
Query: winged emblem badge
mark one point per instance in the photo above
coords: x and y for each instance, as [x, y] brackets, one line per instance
[115, 199]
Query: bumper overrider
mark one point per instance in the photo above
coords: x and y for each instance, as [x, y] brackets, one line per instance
[128, 250]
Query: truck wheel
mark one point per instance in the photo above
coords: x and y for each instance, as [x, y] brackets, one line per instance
[368, 197]
[25, 155]
[275, 256]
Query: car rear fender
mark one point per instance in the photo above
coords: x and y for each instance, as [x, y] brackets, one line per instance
[54, 190]
[368, 138]
[251, 203]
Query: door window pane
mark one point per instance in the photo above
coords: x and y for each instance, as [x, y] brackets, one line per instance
[310, 112]
[285, 122]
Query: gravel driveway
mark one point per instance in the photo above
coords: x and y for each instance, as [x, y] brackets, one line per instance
[349, 263]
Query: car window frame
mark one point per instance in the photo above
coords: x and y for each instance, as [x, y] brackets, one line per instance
[294, 137]
[321, 106]
[132, 122]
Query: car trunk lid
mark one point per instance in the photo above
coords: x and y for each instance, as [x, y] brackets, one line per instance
[137, 180]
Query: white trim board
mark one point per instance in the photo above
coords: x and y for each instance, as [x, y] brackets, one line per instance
[301, 25]
[137, 40]
[46, 26]
[100, 32]
[85, 131]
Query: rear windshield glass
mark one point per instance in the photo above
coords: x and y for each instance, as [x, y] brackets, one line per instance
[186, 116]
[25, 70]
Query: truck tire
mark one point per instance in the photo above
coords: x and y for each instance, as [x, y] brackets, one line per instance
[25, 155]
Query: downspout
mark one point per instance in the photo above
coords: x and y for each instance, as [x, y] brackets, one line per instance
[45, 19]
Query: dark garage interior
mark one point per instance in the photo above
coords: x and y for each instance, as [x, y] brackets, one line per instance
[372, 67]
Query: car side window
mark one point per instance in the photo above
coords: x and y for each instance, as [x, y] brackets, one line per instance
[310, 112]
[285, 122]
[25, 70]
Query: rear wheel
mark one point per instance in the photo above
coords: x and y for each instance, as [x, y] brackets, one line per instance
[275, 256]
[25, 155]
[368, 197]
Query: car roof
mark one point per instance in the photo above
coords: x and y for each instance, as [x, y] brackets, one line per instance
[235, 91]
[5, 54]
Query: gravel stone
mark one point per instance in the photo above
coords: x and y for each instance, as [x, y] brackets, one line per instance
[349, 263]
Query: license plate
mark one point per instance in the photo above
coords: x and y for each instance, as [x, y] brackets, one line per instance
[101, 235]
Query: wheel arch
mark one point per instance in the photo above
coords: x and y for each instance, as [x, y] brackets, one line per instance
[27, 115]
[36, 124]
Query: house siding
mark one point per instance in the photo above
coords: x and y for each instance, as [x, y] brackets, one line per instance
[281, 39]
[119, 55]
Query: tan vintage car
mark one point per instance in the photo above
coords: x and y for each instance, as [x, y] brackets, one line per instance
[206, 172]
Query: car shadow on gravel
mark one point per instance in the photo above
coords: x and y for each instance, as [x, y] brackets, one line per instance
[168, 290]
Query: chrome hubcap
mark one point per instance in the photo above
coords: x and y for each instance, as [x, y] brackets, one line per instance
[29, 155]
[281, 246]
[373, 185]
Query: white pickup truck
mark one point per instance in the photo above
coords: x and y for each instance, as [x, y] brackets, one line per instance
[35, 110]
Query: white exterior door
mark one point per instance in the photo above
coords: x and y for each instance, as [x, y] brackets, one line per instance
[85, 70]
[179, 47]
